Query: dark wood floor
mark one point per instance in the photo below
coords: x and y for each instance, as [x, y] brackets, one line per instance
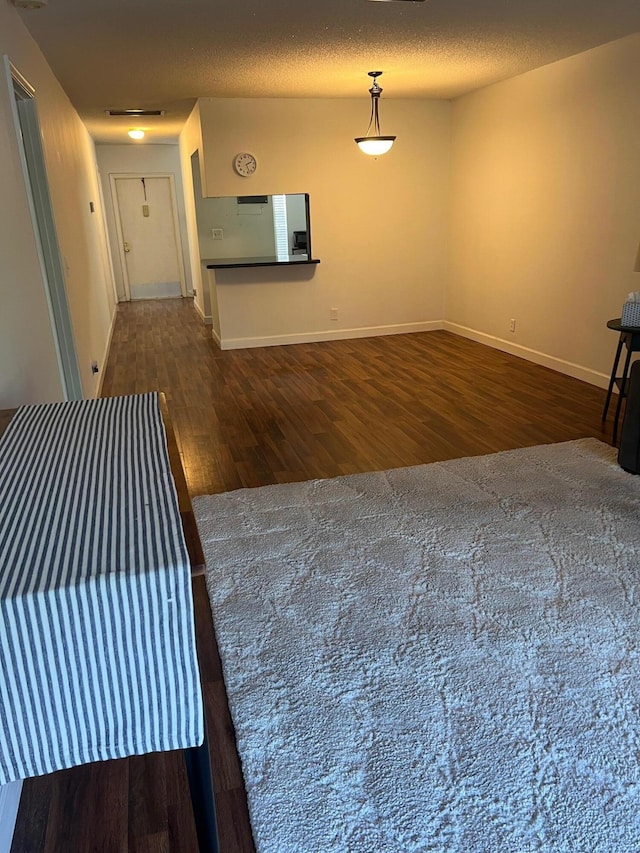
[254, 417]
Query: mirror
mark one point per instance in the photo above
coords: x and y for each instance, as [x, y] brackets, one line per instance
[242, 228]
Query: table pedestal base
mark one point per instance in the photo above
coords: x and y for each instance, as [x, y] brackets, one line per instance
[202, 799]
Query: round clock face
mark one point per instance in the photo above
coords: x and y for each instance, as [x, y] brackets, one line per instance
[245, 164]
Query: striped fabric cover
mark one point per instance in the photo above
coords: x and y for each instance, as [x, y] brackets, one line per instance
[97, 646]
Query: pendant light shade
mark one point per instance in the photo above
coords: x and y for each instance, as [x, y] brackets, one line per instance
[374, 144]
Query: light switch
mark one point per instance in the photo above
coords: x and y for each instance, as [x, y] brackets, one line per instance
[145, 209]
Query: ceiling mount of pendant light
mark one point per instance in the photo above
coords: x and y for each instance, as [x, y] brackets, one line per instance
[374, 144]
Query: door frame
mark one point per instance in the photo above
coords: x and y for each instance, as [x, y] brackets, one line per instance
[113, 177]
[34, 171]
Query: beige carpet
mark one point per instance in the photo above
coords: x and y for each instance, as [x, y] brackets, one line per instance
[439, 658]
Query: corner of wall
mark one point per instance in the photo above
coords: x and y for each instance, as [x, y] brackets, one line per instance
[190, 141]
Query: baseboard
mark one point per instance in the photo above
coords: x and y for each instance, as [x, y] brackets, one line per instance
[330, 335]
[216, 337]
[9, 802]
[105, 355]
[593, 377]
[206, 318]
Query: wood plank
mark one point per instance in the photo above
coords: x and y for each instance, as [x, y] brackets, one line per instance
[5, 417]
[189, 527]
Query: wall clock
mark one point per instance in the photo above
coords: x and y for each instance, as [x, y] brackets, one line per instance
[245, 164]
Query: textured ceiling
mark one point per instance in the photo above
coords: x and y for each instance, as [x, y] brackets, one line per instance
[167, 53]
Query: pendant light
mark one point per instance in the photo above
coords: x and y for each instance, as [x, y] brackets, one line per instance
[377, 144]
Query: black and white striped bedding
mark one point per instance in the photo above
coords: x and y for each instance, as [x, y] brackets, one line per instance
[97, 648]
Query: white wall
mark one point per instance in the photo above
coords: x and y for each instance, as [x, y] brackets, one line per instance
[140, 159]
[28, 367]
[546, 208]
[190, 144]
[379, 227]
[247, 228]
[296, 217]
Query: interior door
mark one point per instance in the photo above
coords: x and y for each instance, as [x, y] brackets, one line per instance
[150, 243]
[34, 168]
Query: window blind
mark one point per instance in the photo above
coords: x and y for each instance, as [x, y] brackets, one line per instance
[279, 203]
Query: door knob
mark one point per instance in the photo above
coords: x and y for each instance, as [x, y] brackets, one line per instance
[127, 247]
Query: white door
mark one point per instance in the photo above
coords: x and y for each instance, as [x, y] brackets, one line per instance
[150, 245]
[25, 116]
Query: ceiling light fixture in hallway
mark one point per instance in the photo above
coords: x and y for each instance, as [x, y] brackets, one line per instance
[374, 145]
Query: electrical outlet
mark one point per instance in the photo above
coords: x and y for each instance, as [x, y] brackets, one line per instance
[333, 313]
[218, 233]
[512, 325]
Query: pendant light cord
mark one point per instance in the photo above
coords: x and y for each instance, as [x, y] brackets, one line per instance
[375, 91]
